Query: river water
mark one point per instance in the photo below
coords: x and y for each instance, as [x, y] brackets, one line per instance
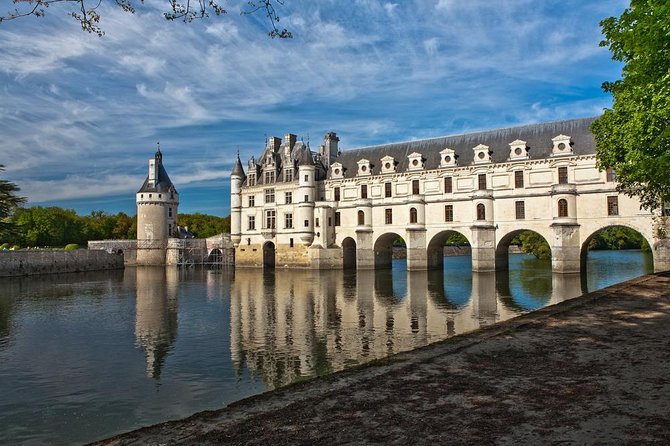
[86, 356]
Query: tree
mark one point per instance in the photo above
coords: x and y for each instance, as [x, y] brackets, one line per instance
[86, 11]
[633, 137]
[533, 243]
[9, 202]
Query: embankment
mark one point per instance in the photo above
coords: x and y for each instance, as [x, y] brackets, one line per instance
[28, 263]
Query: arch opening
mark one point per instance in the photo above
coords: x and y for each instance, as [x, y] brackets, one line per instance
[522, 241]
[269, 255]
[614, 253]
[446, 243]
[215, 257]
[349, 253]
[387, 247]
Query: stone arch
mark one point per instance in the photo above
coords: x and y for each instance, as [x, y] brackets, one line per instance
[383, 249]
[435, 248]
[215, 256]
[502, 248]
[349, 253]
[584, 249]
[269, 255]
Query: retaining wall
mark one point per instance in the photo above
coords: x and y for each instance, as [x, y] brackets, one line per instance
[27, 263]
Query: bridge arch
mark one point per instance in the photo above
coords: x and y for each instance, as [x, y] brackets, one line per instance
[435, 248]
[383, 249]
[215, 256]
[349, 253]
[268, 255]
[502, 248]
[584, 249]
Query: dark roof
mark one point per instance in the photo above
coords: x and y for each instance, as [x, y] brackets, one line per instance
[162, 185]
[305, 157]
[238, 169]
[537, 136]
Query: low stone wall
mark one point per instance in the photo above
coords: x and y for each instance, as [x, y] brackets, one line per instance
[27, 263]
[126, 247]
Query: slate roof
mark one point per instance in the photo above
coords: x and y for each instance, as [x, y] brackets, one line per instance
[238, 169]
[537, 136]
[163, 183]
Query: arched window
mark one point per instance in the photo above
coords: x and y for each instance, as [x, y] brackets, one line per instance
[413, 215]
[562, 207]
[361, 218]
[481, 212]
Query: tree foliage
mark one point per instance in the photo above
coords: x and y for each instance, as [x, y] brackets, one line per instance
[86, 12]
[9, 201]
[619, 237]
[533, 243]
[55, 227]
[633, 137]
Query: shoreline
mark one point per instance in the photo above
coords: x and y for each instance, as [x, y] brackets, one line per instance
[593, 368]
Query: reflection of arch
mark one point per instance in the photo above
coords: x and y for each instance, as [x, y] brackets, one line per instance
[383, 249]
[215, 256]
[583, 254]
[436, 248]
[562, 207]
[269, 255]
[349, 253]
[502, 250]
[481, 212]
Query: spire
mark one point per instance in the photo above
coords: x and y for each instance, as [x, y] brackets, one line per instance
[305, 158]
[159, 155]
[238, 169]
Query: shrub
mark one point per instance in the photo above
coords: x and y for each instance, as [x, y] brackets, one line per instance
[4, 246]
[71, 246]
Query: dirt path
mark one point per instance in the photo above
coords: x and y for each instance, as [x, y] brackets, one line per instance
[592, 370]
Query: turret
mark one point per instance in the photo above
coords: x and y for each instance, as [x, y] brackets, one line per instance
[306, 195]
[237, 177]
[157, 207]
[329, 149]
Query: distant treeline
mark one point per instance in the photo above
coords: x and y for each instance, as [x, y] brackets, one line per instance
[55, 226]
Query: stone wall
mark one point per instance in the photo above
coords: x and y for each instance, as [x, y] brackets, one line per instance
[26, 263]
[126, 247]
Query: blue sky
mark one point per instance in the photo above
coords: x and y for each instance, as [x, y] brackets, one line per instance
[80, 115]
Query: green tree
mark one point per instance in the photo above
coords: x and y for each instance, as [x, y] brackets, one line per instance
[203, 226]
[49, 226]
[125, 227]
[86, 11]
[98, 226]
[633, 137]
[9, 202]
[533, 243]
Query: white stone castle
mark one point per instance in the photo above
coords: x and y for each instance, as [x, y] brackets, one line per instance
[331, 209]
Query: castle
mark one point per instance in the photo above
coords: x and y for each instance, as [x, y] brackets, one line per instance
[335, 209]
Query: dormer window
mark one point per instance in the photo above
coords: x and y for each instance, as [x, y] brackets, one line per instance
[364, 167]
[448, 158]
[336, 170]
[388, 164]
[518, 150]
[562, 145]
[415, 161]
[482, 154]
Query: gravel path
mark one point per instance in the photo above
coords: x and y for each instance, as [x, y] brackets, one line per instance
[592, 370]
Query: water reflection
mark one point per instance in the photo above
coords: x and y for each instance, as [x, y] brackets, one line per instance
[156, 314]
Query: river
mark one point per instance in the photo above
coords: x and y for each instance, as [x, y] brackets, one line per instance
[86, 356]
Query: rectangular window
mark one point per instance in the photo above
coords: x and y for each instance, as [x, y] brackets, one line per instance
[269, 195]
[306, 198]
[448, 185]
[482, 181]
[449, 212]
[388, 216]
[269, 177]
[289, 197]
[251, 226]
[316, 222]
[288, 175]
[252, 201]
[307, 223]
[364, 191]
[330, 221]
[270, 219]
[611, 176]
[170, 212]
[518, 179]
[562, 175]
[387, 189]
[337, 219]
[290, 242]
[520, 209]
[251, 179]
[613, 205]
[337, 194]
[415, 187]
[306, 178]
[288, 221]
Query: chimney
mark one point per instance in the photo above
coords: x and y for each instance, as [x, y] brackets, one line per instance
[153, 172]
[330, 148]
[290, 139]
[274, 143]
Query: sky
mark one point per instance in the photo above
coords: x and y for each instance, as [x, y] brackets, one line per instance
[80, 115]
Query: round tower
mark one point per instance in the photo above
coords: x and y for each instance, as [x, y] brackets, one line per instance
[306, 196]
[157, 207]
[237, 178]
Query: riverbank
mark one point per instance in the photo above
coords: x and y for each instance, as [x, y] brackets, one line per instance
[595, 369]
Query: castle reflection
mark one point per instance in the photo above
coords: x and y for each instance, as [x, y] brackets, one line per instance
[294, 324]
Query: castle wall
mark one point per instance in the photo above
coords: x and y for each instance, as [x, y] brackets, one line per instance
[26, 263]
